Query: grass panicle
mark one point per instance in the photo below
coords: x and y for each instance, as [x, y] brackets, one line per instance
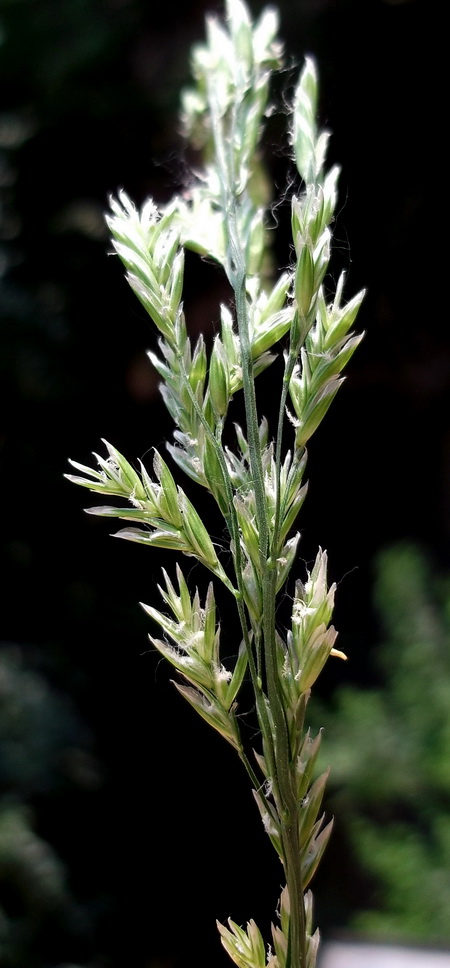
[259, 485]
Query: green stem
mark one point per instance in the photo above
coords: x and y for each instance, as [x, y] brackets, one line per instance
[237, 276]
[282, 777]
[296, 953]
[285, 778]
[278, 743]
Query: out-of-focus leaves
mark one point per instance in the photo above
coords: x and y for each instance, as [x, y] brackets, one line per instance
[45, 752]
[390, 777]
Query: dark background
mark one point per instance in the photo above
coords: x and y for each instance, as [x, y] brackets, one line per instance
[148, 813]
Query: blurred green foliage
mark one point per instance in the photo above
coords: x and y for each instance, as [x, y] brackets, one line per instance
[389, 748]
[45, 755]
